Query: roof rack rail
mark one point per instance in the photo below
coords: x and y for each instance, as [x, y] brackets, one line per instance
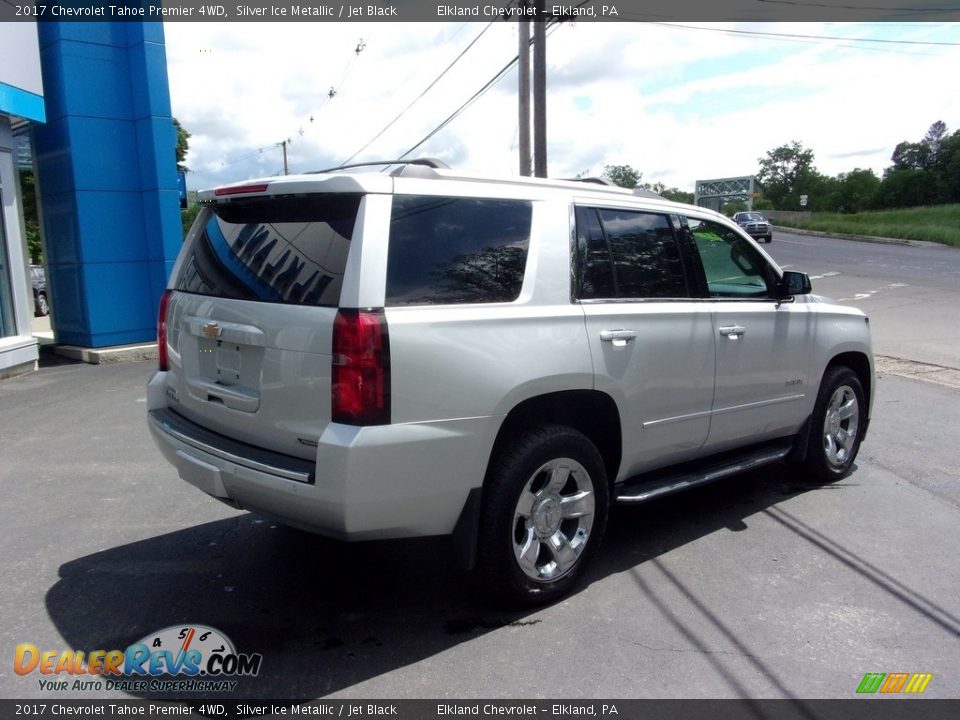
[594, 180]
[432, 163]
[643, 192]
[607, 182]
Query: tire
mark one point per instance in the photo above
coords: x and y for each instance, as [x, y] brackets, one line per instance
[769, 239]
[41, 306]
[837, 425]
[544, 510]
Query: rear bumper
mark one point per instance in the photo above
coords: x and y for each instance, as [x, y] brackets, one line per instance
[367, 483]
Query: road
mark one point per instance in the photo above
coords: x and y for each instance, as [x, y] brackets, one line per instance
[910, 293]
[767, 586]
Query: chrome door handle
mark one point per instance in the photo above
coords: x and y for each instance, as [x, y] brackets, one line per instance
[618, 337]
[733, 331]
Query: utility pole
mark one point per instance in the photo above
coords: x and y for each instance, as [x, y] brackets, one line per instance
[286, 170]
[523, 53]
[539, 93]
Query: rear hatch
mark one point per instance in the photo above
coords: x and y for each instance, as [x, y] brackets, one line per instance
[250, 317]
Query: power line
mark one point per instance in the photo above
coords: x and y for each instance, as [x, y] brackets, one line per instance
[833, 6]
[420, 96]
[760, 33]
[450, 118]
[473, 98]
[333, 92]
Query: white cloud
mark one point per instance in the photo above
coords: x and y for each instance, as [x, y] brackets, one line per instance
[678, 104]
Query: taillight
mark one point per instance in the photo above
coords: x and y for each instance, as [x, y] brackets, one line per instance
[360, 381]
[162, 359]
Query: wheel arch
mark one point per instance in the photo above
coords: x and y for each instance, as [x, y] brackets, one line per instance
[860, 364]
[590, 412]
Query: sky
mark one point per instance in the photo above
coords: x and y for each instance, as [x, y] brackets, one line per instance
[680, 101]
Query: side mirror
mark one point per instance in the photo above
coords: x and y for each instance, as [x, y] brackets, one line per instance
[794, 283]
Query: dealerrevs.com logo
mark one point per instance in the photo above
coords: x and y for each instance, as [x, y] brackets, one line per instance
[191, 658]
[894, 683]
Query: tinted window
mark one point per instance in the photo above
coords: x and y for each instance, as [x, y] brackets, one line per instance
[456, 250]
[597, 278]
[288, 250]
[732, 265]
[627, 254]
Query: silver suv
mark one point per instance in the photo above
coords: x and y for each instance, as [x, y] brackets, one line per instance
[409, 351]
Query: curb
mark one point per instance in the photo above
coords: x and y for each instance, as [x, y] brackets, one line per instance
[862, 238]
[115, 354]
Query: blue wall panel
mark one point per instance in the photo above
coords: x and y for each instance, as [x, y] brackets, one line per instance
[104, 154]
[62, 230]
[118, 218]
[68, 296]
[93, 79]
[107, 175]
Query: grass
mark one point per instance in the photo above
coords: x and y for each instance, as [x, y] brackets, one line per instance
[939, 223]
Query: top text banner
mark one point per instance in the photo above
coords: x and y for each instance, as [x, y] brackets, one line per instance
[460, 11]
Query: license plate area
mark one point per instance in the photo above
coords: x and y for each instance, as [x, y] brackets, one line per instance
[229, 361]
[228, 374]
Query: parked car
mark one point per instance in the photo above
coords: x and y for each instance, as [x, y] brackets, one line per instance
[38, 278]
[756, 225]
[409, 351]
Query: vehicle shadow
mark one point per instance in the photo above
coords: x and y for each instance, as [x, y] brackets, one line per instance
[328, 615]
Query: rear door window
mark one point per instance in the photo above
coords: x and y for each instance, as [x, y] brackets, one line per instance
[627, 254]
[289, 250]
[448, 250]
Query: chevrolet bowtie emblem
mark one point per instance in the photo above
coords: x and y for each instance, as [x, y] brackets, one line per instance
[211, 330]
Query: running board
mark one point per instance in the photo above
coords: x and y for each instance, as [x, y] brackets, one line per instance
[646, 487]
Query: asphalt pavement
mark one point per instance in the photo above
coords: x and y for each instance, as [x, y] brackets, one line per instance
[911, 293]
[763, 586]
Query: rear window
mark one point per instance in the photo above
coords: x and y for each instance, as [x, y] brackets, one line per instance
[447, 250]
[289, 250]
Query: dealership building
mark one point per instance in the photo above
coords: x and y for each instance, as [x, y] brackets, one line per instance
[86, 107]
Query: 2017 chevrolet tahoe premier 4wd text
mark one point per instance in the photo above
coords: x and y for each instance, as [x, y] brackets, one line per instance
[410, 351]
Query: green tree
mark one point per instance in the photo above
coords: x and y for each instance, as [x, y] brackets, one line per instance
[949, 161]
[627, 176]
[910, 156]
[854, 191]
[678, 195]
[28, 194]
[907, 187]
[925, 172]
[183, 144]
[731, 208]
[934, 139]
[623, 175]
[189, 213]
[787, 172]
[187, 216]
